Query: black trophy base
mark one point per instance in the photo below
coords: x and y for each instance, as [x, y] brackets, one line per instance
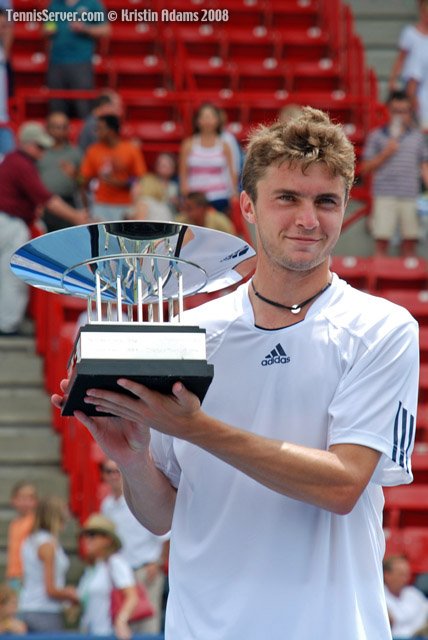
[159, 375]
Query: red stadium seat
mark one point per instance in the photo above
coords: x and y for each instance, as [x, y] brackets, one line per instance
[406, 506]
[145, 73]
[423, 344]
[267, 75]
[414, 301]
[208, 75]
[420, 464]
[251, 43]
[398, 273]
[422, 424]
[411, 542]
[423, 384]
[353, 269]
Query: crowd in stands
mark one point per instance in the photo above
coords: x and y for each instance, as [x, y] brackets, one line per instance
[119, 556]
[55, 181]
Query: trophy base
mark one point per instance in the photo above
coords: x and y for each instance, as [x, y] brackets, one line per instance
[155, 355]
[159, 375]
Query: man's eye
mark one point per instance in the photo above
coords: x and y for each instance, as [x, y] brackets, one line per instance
[326, 202]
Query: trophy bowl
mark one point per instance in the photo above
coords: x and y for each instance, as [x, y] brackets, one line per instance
[134, 276]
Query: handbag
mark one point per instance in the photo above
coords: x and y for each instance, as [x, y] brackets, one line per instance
[143, 609]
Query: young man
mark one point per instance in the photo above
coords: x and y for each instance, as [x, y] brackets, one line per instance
[397, 156]
[114, 164]
[273, 488]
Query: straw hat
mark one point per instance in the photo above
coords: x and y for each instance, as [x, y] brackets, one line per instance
[98, 523]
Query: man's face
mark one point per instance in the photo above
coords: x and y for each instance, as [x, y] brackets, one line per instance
[112, 476]
[103, 132]
[195, 212]
[58, 128]
[402, 110]
[298, 216]
[399, 575]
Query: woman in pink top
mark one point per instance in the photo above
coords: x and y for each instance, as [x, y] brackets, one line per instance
[206, 162]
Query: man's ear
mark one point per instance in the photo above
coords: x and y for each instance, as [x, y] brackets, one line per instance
[247, 208]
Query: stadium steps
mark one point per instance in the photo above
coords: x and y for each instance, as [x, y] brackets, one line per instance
[379, 24]
[29, 448]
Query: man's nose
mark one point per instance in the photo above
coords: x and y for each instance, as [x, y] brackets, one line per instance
[307, 216]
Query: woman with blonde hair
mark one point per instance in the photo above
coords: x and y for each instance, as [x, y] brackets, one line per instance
[106, 571]
[45, 565]
[150, 200]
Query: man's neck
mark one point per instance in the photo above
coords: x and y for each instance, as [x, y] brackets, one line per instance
[288, 288]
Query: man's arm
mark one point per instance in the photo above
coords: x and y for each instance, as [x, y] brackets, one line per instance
[63, 210]
[332, 480]
[372, 164]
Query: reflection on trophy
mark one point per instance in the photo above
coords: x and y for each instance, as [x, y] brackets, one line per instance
[135, 276]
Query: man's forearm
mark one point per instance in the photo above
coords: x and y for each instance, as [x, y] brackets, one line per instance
[149, 494]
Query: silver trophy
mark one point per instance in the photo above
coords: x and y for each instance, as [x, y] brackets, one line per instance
[135, 276]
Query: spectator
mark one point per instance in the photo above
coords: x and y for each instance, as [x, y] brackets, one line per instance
[206, 161]
[413, 40]
[24, 500]
[106, 569]
[142, 550]
[407, 606]
[59, 168]
[165, 169]
[197, 210]
[9, 623]
[108, 103]
[289, 111]
[72, 46]
[397, 155]
[45, 567]
[150, 200]
[7, 141]
[114, 164]
[22, 197]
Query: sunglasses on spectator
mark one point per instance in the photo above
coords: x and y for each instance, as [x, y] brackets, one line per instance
[92, 534]
[109, 470]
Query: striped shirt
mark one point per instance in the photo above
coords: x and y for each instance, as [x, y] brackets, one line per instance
[208, 171]
[399, 175]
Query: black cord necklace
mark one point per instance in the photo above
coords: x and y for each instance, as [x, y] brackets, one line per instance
[295, 308]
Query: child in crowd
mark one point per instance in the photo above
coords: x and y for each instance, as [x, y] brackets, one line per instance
[9, 623]
[24, 500]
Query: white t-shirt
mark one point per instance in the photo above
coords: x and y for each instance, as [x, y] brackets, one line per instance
[411, 40]
[94, 591]
[247, 562]
[409, 611]
[33, 596]
[417, 68]
[140, 546]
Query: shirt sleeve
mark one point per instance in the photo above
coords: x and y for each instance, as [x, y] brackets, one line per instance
[121, 573]
[375, 404]
[406, 39]
[373, 145]
[162, 450]
[415, 66]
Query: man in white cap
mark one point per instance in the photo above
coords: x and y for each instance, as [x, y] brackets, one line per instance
[22, 198]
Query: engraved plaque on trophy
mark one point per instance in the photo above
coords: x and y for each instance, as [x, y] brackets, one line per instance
[135, 276]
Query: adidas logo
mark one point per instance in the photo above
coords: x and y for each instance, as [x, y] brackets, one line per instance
[276, 356]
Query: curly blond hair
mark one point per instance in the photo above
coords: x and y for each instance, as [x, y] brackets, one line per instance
[307, 139]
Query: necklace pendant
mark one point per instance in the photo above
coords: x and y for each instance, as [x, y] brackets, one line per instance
[295, 309]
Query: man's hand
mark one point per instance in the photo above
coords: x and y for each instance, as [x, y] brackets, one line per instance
[173, 415]
[119, 438]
